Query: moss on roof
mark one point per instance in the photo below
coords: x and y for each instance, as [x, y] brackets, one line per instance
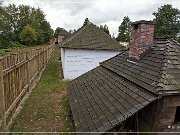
[92, 37]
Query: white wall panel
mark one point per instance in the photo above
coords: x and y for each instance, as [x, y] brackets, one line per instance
[77, 62]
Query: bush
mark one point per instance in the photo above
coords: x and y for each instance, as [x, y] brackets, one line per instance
[16, 45]
[4, 51]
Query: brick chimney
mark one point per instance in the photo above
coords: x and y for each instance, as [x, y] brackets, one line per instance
[141, 39]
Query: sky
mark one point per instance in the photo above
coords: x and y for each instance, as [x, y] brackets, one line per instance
[70, 14]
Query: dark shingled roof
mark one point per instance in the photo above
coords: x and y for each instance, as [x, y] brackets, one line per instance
[107, 95]
[101, 99]
[157, 71]
[142, 22]
[64, 33]
[91, 37]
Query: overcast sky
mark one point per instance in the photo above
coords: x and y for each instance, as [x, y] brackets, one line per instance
[70, 14]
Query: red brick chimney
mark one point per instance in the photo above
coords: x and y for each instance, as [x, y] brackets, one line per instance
[141, 39]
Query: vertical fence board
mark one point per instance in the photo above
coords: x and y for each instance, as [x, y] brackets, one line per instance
[2, 103]
[18, 74]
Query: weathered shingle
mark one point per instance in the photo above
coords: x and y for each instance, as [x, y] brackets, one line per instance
[109, 94]
[101, 99]
[154, 70]
[92, 37]
[64, 33]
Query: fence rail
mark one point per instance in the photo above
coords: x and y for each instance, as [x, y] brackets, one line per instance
[19, 73]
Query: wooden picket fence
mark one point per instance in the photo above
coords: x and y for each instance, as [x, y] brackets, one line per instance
[19, 73]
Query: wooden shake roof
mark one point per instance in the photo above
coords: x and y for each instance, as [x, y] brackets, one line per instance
[91, 37]
[109, 94]
[64, 33]
[157, 71]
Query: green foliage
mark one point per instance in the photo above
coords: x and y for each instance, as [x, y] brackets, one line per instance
[15, 18]
[86, 21]
[113, 36]
[4, 51]
[124, 30]
[28, 35]
[167, 21]
[178, 39]
[11, 46]
[57, 31]
[5, 29]
[71, 31]
[16, 45]
[105, 29]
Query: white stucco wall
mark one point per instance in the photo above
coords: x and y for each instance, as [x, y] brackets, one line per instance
[62, 57]
[76, 62]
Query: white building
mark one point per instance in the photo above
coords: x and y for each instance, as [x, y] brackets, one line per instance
[85, 49]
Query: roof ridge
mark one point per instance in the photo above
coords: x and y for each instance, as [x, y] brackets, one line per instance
[164, 74]
[91, 37]
[160, 85]
[173, 40]
[75, 34]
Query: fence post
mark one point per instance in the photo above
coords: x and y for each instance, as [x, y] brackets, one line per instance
[2, 100]
[46, 54]
[28, 71]
[38, 60]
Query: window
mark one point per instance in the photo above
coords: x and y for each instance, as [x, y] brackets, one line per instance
[177, 116]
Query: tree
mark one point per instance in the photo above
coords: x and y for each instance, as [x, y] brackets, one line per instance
[105, 29]
[48, 32]
[101, 27]
[178, 38]
[71, 31]
[113, 36]
[57, 31]
[15, 18]
[28, 35]
[39, 23]
[5, 28]
[124, 30]
[86, 21]
[167, 21]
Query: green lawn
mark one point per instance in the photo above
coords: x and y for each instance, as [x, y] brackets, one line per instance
[47, 109]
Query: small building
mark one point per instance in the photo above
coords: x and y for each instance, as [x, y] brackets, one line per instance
[85, 49]
[137, 90]
[62, 36]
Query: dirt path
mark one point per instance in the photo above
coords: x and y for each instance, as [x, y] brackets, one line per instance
[47, 109]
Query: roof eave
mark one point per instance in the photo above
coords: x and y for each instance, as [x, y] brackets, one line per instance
[117, 50]
[169, 92]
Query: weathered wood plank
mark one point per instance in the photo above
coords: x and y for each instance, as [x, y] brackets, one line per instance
[13, 105]
[14, 67]
[18, 75]
[2, 100]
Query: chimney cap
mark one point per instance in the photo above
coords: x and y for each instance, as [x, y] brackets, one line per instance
[143, 22]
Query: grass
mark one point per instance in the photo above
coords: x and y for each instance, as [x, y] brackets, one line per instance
[47, 109]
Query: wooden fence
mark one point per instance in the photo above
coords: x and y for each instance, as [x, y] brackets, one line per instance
[19, 73]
